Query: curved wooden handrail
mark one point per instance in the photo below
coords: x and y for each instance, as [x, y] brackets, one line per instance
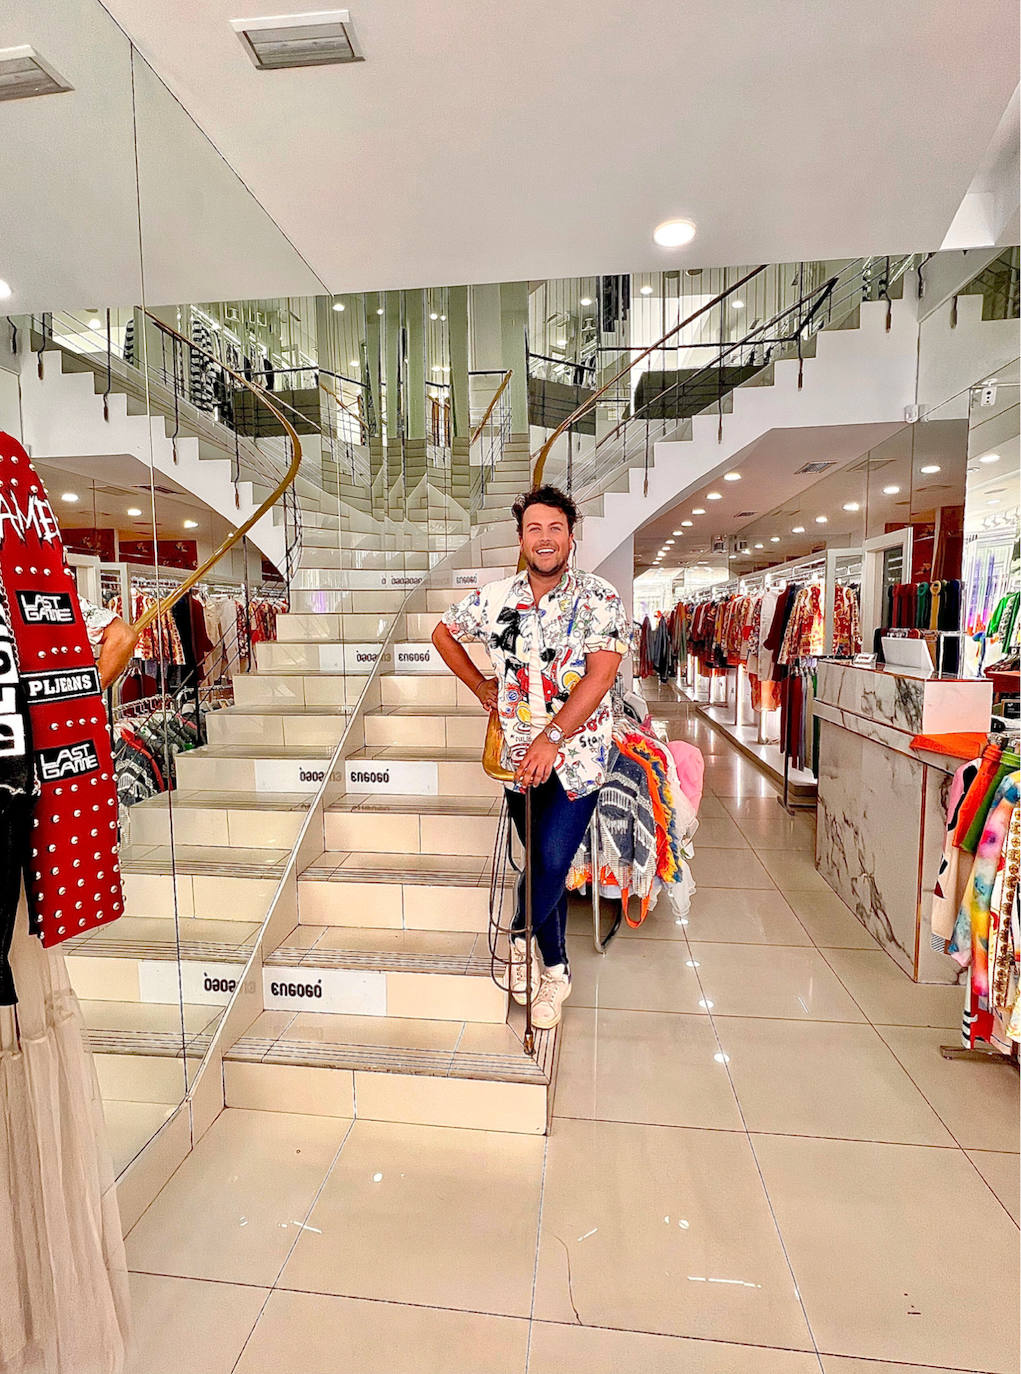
[593, 400]
[492, 406]
[164, 605]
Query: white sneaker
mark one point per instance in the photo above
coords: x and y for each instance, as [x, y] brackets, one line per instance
[517, 970]
[548, 1002]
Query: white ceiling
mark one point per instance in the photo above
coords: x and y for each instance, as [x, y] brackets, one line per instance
[483, 142]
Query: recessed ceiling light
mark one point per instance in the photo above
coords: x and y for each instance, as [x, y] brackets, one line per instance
[70, 497]
[338, 305]
[23, 73]
[667, 542]
[586, 300]
[698, 510]
[732, 477]
[737, 305]
[774, 539]
[798, 529]
[993, 501]
[990, 458]
[134, 510]
[5, 291]
[822, 519]
[95, 322]
[891, 491]
[190, 524]
[443, 317]
[434, 315]
[930, 468]
[646, 290]
[687, 523]
[355, 362]
[714, 496]
[760, 546]
[674, 233]
[437, 367]
[318, 39]
[851, 505]
[379, 311]
[561, 343]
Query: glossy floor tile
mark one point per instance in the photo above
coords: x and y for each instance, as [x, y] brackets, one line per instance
[235, 1205]
[828, 921]
[1003, 1174]
[558, 1348]
[309, 1333]
[732, 868]
[420, 1214]
[190, 1326]
[872, 1231]
[640, 975]
[887, 995]
[643, 1066]
[978, 1102]
[733, 916]
[653, 1228]
[825, 1079]
[771, 980]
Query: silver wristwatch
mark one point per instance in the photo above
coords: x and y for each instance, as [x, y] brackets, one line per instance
[554, 734]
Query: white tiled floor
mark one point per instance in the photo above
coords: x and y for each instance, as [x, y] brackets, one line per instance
[759, 1164]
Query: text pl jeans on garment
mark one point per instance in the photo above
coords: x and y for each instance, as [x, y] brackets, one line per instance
[558, 828]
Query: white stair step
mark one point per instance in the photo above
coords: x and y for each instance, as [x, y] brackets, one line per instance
[428, 1072]
[279, 725]
[331, 627]
[254, 767]
[420, 729]
[432, 772]
[223, 818]
[298, 689]
[423, 825]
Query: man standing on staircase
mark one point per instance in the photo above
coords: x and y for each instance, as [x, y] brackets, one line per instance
[556, 638]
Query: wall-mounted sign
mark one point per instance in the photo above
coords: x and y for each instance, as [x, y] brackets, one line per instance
[290, 775]
[400, 777]
[344, 990]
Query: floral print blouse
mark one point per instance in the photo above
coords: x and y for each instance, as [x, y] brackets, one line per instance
[549, 642]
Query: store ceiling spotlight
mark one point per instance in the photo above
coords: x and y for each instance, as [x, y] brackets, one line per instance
[930, 468]
[687, 523]
[190, 524]
[714, 496]
[891, 491]
[674, 233]
[851, 506]
[319, 39]
[23, 73]
[798, 529]
[698, 510]
[71, 497]
[774, 539]
[338, 305]
[990, 458]
[646, 290]
[822, 519]
[732, 477]
[586, 300]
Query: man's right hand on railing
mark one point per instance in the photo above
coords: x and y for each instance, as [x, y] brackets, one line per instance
[488, 693]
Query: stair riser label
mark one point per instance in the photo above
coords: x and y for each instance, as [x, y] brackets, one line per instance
[413, 779]
[290, 775]
[352, 658]
[417, 658]
[341, 990]
[206, 984]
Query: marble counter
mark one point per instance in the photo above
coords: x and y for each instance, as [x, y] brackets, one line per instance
[882, 805]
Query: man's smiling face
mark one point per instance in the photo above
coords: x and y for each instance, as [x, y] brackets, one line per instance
[546, 540]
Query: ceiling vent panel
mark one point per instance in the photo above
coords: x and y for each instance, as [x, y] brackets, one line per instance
[744, 515]
[815, 467]
[320, 39]
[24, 73]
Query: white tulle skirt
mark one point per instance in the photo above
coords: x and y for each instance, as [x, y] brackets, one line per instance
[63, 1277]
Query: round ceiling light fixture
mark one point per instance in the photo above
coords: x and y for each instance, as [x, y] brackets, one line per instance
[774, 539]
[798, 529]
[930, 468]
[134, 511]
[822, 519]
[190, 524]
[986, 458]
[687, 524]
[851, 505]
[646, 290]
[891, 490]
[586, 300]
[434, 314]
[674, 233]
[71, 497]
[737, 305]
[760, 546]
[379, 311]
[338, 306]
[95, 322]
[5, 291]
[714, 496]
[732, 477]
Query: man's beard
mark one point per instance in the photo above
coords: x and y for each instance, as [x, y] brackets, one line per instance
[558, 571]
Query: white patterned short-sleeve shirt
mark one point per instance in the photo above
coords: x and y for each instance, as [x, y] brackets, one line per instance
[581, 615]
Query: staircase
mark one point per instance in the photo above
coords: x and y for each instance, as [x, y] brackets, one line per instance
[378, 1000]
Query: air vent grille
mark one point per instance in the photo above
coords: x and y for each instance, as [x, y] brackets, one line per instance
[744, 515]
[24, 73]
[319, 39]
[815, 467]
[871, 464]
